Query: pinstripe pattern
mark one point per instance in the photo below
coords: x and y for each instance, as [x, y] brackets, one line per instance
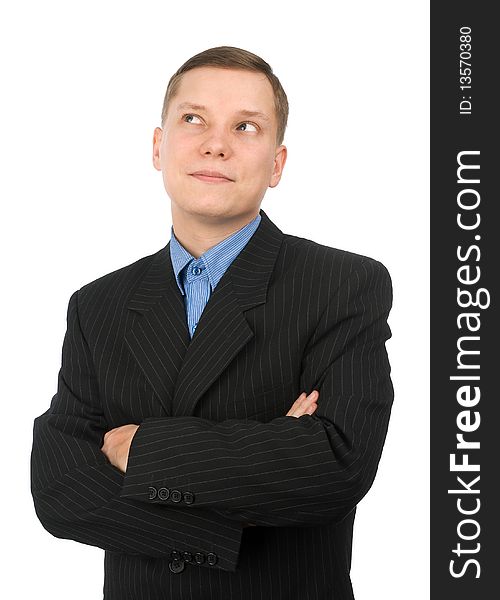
[197, 281]
[214, 448]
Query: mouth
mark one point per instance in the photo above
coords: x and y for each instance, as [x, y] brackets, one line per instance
[211, 177]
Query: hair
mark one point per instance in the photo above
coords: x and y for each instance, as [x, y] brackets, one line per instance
[229, 57]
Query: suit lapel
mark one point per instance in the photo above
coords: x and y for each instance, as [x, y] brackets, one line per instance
[179, 369]
[156, 331]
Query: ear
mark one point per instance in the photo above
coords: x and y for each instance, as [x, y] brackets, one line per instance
[279, 164]
[157, 136]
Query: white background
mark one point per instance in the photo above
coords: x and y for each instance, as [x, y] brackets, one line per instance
[83, 86]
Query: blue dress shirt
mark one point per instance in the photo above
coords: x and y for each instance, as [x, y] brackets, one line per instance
[197, 277]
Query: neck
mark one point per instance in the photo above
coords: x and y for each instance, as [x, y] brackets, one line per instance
[199, 233]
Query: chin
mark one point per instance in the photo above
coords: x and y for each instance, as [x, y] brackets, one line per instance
[209, 207]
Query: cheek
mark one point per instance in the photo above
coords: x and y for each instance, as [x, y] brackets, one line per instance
[174, 166]
[260, 169]
[174, 152]
[253, 159]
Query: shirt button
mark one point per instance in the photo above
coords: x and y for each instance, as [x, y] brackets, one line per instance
[196, 271]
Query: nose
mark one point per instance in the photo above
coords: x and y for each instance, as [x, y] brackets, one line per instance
[216, 144]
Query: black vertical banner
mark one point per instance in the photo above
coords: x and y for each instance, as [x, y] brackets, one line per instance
[465, 272]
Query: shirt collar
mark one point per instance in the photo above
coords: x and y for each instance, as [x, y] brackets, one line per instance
[217, 259]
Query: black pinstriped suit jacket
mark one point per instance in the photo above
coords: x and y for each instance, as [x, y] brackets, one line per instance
[214, 448]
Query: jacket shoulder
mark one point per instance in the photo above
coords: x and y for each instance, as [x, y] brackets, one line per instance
[314, 257]
[114, 287]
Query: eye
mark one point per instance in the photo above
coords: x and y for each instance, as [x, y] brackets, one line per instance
[247, 123]
[189, 115]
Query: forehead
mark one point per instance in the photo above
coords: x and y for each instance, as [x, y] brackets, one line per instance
[228, 89]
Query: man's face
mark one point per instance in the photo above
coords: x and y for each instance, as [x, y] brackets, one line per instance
[206, 130]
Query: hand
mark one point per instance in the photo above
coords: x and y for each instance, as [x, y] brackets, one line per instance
[116, 445]
[304, 405]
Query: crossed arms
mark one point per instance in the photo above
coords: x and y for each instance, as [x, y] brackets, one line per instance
[287, 472]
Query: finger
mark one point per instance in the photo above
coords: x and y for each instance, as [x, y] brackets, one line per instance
[309, 408]
[304, 398]
[306, 401]
[304, 409]
[302, 404]
[299, 401]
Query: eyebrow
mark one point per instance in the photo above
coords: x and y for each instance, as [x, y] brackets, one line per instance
[246, 113]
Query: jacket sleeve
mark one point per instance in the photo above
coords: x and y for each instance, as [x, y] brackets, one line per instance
[77, 491]
[290, 471]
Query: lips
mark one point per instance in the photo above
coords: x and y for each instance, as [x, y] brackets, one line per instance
[210, 175]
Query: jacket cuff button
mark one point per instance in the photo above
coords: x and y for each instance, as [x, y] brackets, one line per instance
[175, 496]
[211, 558]
[188, 497]
[163, 493]
[176, 566]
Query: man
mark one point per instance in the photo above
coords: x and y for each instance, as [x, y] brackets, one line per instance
[169, 443]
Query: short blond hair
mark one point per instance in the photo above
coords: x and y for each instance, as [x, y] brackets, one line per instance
[229, 57]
